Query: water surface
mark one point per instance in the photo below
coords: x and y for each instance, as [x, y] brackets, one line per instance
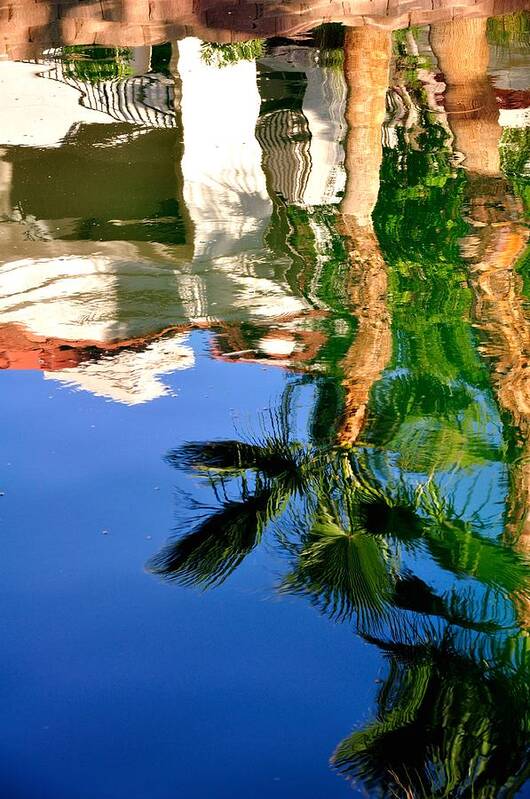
[265, 486]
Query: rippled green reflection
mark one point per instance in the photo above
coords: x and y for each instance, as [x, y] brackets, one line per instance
[452, 711]
[409, 528]
[405, 510]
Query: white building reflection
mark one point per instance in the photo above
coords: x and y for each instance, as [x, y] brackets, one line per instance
[126, 231]
[138, 208]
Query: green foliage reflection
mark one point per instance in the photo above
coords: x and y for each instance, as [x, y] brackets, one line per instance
[93, 64]
[452, 714]
[223, 55]
[445, 727]
[386, 536]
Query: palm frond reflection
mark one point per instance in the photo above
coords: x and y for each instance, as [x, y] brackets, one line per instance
[446, 727]
[452, 712]
[351, 531]
[217, 544]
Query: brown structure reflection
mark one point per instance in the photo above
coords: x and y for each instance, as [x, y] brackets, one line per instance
[470, 102]
[497, 239]
[471, 108]
[27, 26]
[367, 55]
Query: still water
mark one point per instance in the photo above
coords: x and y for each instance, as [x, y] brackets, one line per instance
[265, 390]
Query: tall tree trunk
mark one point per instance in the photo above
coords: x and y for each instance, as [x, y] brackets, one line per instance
[372, 349]
[367, 53]
[492, 249]
[462, 50]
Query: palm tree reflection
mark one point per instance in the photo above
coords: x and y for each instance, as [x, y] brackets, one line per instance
[268, 476]
[446, 726]
[453, 709]
[367, 58]
[344, 524]
[376, 538]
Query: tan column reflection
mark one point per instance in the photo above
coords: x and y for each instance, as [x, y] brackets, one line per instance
[496, 241]
[6, 171]
[367, 54]
[463, 54]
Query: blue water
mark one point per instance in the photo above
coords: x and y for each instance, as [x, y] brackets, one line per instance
[122, 686]
[356, 408]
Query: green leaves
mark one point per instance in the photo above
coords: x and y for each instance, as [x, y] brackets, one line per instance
[452, 713]
[510, 28]
[342, 572]
[444, 729]
[456, 547]
[223, 55]
[216, 545]
[343, 526]
[93, 63]
[222, 538]
[418, 217]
